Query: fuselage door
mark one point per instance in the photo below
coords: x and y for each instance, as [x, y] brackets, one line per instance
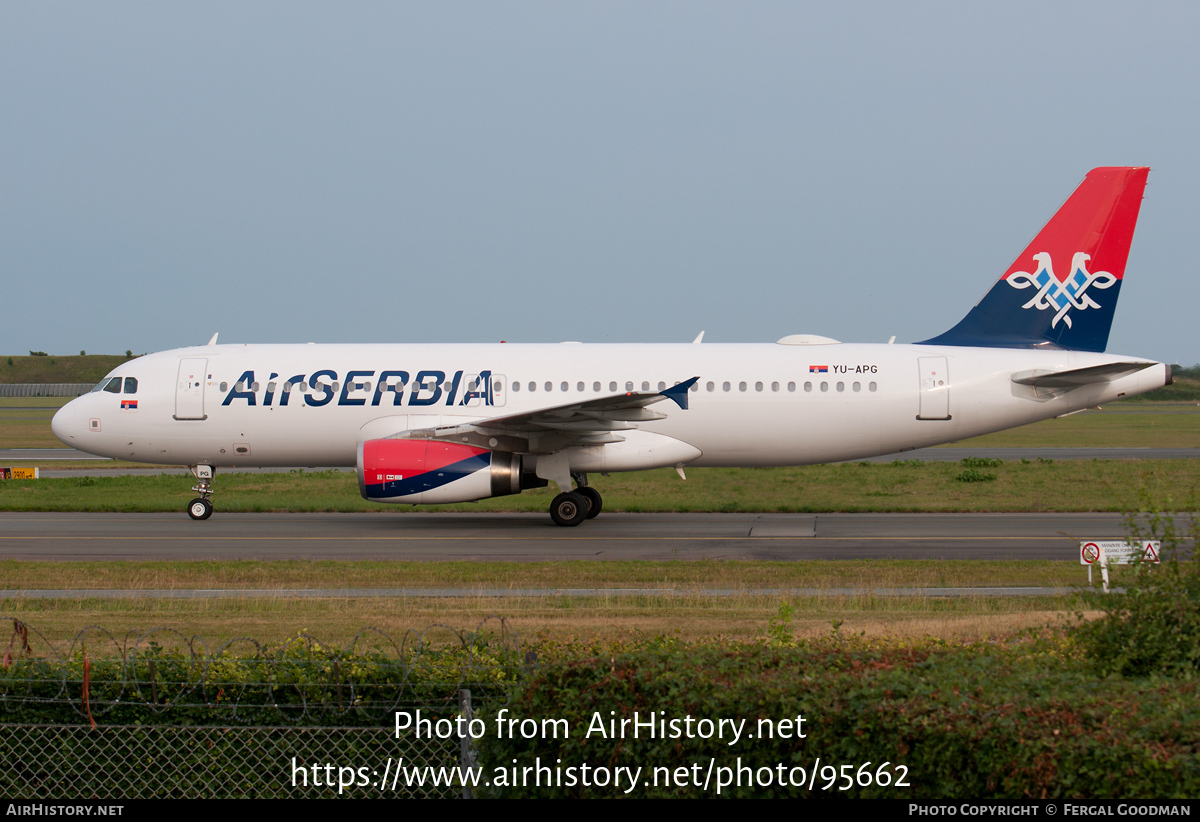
[935, 388]
[189, 389]
[499, 390]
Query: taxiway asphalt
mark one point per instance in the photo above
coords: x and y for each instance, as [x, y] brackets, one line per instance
[532, 537]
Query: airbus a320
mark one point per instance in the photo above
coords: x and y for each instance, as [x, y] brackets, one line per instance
[455, 423]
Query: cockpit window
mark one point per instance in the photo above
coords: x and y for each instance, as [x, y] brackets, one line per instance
[131, 385]
[114, 386]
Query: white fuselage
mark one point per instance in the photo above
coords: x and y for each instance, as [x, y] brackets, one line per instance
[754, 404]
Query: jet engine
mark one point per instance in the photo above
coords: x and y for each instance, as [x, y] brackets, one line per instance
[427, 471]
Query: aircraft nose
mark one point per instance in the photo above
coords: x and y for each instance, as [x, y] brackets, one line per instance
[65, 423]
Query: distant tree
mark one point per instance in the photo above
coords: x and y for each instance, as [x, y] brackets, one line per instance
[83, 353]
[38, 354]
[128, 354]
[10, 361]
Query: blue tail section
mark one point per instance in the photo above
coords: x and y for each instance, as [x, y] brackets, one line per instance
[1062, 291]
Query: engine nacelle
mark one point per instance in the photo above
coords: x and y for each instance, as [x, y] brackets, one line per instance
[426, 471]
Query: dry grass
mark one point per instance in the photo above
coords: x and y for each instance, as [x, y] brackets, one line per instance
[688, 617]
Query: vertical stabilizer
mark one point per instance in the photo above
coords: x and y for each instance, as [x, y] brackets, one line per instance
[1062, 291]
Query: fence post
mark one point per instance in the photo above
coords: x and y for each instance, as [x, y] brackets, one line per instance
[466, 745]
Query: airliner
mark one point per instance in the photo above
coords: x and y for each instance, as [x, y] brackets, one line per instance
[456, 423]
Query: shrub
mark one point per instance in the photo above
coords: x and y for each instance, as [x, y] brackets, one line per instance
[1153, 625]
[975, 475]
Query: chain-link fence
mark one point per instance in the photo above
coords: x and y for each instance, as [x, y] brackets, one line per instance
[160, 715]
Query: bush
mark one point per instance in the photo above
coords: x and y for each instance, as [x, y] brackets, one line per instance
[981, 462]
[975, 475]
[1153, 625]
[1002, 720]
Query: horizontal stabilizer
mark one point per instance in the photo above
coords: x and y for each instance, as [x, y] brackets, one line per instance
[1076, 377]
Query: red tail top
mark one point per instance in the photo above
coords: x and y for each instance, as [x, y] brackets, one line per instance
[1097, 219]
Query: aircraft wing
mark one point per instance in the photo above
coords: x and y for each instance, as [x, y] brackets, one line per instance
[546, 430]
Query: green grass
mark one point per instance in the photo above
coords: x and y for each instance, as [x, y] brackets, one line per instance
[700, 574]
[1107, 429]
[51, 369]
[1075, 485]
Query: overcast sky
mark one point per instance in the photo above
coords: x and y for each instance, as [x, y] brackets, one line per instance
[604, 172]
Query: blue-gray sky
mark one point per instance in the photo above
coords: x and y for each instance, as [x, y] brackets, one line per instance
[605, 172]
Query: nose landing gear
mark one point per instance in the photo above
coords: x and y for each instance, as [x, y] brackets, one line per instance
[201, 508]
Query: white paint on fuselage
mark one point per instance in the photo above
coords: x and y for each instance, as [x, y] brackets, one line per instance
[730, 428]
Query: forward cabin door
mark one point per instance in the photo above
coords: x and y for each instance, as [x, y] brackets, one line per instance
[935, 389]
[189, 389]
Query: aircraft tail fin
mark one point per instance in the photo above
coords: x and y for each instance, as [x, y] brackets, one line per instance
[1062, 291]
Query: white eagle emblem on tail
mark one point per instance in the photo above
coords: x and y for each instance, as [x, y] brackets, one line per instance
[1061, 297]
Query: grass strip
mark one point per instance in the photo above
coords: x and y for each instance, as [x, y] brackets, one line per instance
[1039, 485]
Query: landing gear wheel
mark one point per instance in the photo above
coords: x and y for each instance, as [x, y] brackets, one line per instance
[595, 503]
[200, 509]
[569, 509]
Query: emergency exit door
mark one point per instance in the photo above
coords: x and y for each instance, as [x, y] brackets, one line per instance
[935, 389]
[189, 389]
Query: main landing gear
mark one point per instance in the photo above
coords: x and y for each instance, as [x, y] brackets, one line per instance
[573, 507]
[201, 508]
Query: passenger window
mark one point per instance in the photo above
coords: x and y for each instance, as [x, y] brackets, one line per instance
[532, 385]
[239, 387]
[254, 388]
[857, 386]
[628, 386]
[824, 386]
[516, 386]
[661, 385]
[872, 387]
[114, 386]
[711, 386]
[579, 387]
[774, 386]
[595, 386]
[791, 386]
[758, 386]
[303, 388]
[224, 386]
[612, 386]
[549, 386]
[645, 386]
[695, 389]
[271, 387]
[131, 385]
[841, 386]
[808, 386]
[724, 386]
[741, 386]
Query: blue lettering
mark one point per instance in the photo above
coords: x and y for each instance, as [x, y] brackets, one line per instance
[427, 379]
[287, 391]
[350, 377]
[481, 390]
[326, 388]
[454, 387]
[246, 380]
[398, 390]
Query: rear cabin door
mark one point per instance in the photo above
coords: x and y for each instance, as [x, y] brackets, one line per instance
[935, 389]
[189, 389]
